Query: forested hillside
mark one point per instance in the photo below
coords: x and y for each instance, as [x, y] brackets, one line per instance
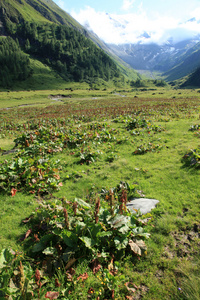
[15, 65]
[50, 39]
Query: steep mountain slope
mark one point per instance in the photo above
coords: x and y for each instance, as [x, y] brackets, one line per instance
[185, 65]
[124, 67]
[40, 30]
[191, 80]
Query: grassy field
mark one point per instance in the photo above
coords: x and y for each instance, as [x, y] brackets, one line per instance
[95, 139]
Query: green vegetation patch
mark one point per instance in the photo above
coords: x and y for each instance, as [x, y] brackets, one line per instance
[81, 241]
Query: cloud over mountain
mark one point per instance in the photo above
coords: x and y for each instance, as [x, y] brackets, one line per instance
[138, 27]
[127, 4]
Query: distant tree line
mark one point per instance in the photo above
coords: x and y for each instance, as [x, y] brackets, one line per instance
[140, 83]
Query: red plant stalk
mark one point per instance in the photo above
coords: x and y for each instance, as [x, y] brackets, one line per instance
[97, 206]
[121, 209]
[125, 196]
[22, 278]
[112, 203]
[37, 277]
[31, 137]
[66, 218]
[36, 237]
[123, 200]
[75, 205]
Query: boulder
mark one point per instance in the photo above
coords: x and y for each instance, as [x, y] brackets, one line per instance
[145, 205]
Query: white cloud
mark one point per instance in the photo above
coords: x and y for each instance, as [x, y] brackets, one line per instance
[195, 13]
[61, 3]
[127, 4]
[129, 28]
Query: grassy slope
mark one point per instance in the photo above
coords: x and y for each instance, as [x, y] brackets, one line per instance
[160, 175]
[25, 11]
[40, 11]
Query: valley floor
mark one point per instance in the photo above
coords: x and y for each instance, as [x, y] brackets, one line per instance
[92, 141]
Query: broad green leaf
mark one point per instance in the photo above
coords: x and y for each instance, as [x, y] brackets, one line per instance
[124, 229]
[41, 245]
[12, 166]
[2, 259]
[2, 177]
[82, 203]
[80, 224]
[120, 243]
[118, 221]
[12, 287]
[89, 243]
[139, 231]
[105, 233]
[20, 162]
[49, 251]
[95, 229]
[70, 239]
[38, 247]
[5, 256]
[66, 256]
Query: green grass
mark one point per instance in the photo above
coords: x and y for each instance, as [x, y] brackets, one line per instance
[170, 269]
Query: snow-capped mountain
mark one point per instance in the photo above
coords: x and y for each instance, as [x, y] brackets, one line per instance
[152, 56]
[150, 47]
[172, 48]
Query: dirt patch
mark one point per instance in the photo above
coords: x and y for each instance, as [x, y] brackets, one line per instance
[186, 243]
[137, 292]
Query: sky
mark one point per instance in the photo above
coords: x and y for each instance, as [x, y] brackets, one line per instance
[126, 21]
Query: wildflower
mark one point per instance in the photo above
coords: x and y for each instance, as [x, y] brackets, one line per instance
[90, 291]
[13, 192]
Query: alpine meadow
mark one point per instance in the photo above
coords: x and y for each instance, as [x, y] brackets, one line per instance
[84, 136]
